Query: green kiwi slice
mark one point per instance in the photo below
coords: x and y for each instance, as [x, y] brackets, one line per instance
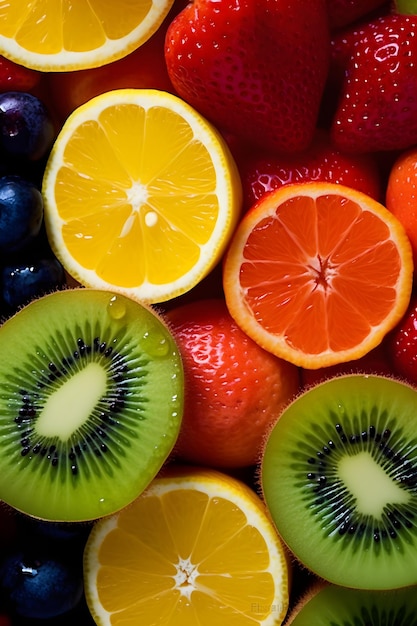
[91, 400]
[339, 606]
[339, 476]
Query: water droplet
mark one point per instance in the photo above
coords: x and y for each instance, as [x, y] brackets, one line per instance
[155, 342]
[116, 308]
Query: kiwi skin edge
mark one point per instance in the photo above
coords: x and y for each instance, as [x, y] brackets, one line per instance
[325, 604]
[305, 597]
[131, 374]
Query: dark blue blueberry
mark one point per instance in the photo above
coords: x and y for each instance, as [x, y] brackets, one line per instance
[41, 586]
[22, 282]
[26, 128]
[21, 213]
[66, 533]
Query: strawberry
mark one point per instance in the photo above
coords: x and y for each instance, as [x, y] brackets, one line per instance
[345, 12]
[377, 107]
[144, 68]
[402, 344]
[14, 77]
[255, 68]
[262, 172]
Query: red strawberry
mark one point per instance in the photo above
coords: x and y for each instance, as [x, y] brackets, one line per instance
[15, 77]
[402, 344]
[377, 108]
[345, 12]
[143, 68]
[262, 172]
[255, 68]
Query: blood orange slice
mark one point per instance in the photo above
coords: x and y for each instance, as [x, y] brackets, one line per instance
[318, 273]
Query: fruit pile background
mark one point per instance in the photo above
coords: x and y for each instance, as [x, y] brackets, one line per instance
[346, 120]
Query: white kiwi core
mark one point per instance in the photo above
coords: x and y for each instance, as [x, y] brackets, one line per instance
[71, 405]
[369, 484]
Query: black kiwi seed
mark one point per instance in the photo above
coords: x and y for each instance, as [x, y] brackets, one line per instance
[349, 510]
[89, 411]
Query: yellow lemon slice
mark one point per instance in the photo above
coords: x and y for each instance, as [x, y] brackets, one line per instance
[197, 547]
[51, 35]
[141, 195]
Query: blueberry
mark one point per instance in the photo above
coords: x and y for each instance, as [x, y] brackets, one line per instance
[66, 534]
[21, 213]
[22, 282]
[41, 585]
[26, 128]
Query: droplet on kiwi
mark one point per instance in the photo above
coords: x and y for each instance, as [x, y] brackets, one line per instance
[89, 411]
[340, 606]
[339, 476]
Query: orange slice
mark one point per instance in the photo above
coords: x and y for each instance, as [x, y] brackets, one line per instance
[51, 35]
[141, 195]
[197, 547]
[318, 273]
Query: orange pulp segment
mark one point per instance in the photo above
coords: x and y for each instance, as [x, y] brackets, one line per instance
[197, 547]
[318, 273]
[141, 195]
[51, 35]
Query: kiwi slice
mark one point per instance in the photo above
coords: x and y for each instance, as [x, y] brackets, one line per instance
[91, 400]
[339, 476]
[339, 606]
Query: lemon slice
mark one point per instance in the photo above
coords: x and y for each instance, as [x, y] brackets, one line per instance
[51, 35]
[197, 547]
[141, 195]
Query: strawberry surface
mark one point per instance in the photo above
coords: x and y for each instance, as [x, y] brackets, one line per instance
[344, 12]
[255, 68]
[15, 77]
[377, 108]
[402, 344]
[262, 172]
